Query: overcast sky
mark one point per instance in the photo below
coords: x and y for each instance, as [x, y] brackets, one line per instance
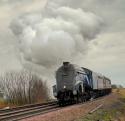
[106, 53]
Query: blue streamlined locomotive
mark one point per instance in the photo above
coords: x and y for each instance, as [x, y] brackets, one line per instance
[77, 84]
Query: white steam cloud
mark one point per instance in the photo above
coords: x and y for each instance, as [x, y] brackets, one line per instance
[60, 33]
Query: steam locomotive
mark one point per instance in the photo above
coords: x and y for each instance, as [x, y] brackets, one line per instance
[78, 84]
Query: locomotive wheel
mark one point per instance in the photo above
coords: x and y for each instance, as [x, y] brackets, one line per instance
[77, 98]
[61, 103]
[80, 98]
[84, 98]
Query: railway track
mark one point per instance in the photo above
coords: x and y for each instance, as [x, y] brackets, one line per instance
[27, 111]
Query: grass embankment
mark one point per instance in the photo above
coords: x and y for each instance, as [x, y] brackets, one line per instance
[113, 110]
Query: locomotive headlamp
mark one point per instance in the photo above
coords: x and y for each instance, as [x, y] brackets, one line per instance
[64, 87]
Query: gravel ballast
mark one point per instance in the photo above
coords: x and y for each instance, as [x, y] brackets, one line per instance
[73, 112]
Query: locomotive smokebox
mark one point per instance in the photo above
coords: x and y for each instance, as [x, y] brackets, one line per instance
[66, 65]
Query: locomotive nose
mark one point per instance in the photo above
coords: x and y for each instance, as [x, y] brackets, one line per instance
[66, 65]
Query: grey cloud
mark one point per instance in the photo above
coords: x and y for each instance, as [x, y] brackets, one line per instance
[8, 42]
[63, 32]
[14, 1]
[108, 55]
[105, 53]
[112, 11]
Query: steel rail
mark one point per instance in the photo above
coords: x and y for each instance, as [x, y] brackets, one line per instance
[25, 109]
[21, 114]
[26, 106]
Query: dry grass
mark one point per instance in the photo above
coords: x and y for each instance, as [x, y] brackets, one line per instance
[2, 103]
[113, 110]
[122, 92]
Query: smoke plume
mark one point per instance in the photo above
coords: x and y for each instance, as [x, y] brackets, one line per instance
[60, 33]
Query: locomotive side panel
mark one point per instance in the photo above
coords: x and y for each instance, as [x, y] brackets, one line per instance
[89, 76]
[100, 82]
[108, 83]
[95, 80]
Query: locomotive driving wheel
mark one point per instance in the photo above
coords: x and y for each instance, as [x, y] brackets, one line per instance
[80, 97]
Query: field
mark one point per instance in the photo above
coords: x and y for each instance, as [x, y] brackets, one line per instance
[113, 111]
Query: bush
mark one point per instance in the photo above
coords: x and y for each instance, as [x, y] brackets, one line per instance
[23, 88]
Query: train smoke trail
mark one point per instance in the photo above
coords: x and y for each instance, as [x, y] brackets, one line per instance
[60, 33]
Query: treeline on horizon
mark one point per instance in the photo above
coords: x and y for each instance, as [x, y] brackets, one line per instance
[115, 86]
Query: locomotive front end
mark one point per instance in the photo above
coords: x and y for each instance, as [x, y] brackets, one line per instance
[65, 80]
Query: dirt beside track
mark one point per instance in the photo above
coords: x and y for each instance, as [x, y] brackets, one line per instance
[74, 112]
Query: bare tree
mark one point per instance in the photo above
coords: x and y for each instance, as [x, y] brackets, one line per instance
[23, 87]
